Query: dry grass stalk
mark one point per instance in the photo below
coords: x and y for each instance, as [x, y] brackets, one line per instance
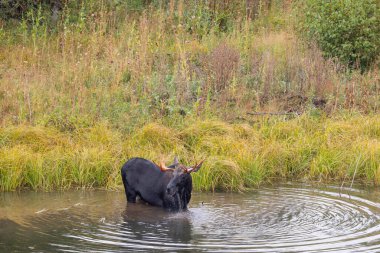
[224, 61]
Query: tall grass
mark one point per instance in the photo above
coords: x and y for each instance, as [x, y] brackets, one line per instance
[238, 156]
[184, 58]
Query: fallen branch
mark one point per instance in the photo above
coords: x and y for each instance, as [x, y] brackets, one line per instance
[273, 113]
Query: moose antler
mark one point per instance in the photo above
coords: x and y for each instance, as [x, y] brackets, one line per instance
[196, 167]
[163, 167]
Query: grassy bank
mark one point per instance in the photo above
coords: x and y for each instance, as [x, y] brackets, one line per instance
[109, 80]
[237, 155]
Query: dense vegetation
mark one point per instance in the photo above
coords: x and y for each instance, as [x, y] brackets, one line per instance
[86, 84]
[348, 30]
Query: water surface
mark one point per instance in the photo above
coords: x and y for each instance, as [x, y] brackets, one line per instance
[274, 219]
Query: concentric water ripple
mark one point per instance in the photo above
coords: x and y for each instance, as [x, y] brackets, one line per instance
[281, 219]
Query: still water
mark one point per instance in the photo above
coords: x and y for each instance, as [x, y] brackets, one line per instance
[284, 218]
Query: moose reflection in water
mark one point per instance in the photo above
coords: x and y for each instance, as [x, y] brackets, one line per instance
[153, 223]
[169, 187]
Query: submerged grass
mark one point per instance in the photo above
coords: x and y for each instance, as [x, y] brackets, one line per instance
[238, 156]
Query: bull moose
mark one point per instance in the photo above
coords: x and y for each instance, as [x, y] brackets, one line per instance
[169, 187]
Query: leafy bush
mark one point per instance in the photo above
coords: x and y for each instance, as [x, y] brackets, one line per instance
[17, 8]
[346, 29]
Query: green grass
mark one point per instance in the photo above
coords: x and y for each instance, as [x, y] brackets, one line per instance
[238, 156]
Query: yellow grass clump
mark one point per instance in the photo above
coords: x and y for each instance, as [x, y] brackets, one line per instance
[238, 156]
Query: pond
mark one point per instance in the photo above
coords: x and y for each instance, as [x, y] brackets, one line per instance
[284, 218]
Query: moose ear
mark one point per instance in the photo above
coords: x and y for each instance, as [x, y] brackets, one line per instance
[175, 162]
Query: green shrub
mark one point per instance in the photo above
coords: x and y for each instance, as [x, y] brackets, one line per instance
[348, 30]
[17, 8]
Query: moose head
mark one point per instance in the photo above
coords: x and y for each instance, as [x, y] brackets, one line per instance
[180, 178]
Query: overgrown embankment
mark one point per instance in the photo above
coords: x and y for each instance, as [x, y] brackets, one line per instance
[237, 155]
[84, 85]
[168, 60]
